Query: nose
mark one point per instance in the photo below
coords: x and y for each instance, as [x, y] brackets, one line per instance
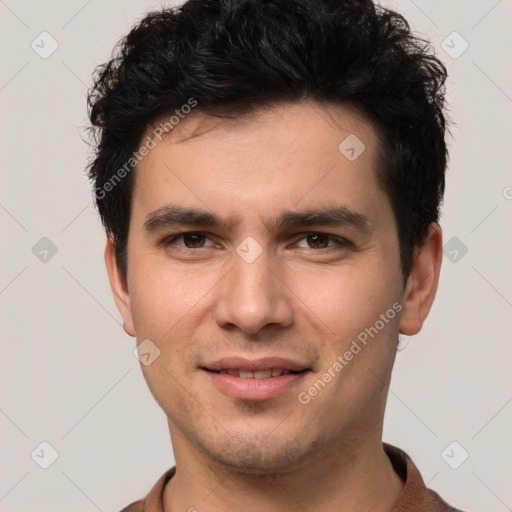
[252, 296]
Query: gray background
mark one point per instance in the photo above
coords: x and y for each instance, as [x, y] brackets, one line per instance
[68, 375]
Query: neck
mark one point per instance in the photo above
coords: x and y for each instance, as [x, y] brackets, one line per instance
[351, 476]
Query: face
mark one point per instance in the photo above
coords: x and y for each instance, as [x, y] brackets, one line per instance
[264, 266]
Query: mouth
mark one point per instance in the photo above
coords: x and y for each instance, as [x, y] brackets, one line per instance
[255, 380]
[258, 374]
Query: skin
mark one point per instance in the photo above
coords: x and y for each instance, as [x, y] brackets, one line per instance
[299, 299]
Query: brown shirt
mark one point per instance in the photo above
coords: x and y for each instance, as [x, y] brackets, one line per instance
[415, 496]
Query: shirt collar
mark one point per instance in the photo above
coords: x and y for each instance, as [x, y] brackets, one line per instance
[415, 496]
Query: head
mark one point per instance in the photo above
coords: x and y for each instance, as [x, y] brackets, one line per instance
[269, 174]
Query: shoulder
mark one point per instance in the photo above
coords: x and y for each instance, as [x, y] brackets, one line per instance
[153, 501]
[415, 497]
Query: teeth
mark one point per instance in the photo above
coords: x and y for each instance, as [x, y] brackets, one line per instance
[263, 374]
[258, 374]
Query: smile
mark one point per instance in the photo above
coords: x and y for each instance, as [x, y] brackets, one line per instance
[258, 374]
[257, 379]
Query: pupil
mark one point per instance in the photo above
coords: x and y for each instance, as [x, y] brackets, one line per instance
[193, 240]
[317, 240]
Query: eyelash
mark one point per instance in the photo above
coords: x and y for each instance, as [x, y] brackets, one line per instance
[340, 242]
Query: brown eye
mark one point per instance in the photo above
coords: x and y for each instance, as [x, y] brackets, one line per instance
[188, 241]
[317, 241]
[193, 240]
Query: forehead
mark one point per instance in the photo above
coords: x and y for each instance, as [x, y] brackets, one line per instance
[297, 153]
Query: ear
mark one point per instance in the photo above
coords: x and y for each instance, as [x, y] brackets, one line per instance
[119, 287]
[422, 282]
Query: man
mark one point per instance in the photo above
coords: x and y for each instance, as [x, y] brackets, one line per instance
[269, 174]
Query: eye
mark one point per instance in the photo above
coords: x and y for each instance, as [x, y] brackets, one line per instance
[191, 240]
[320, 241]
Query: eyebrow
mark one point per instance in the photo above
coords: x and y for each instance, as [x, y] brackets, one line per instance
[336, 216]
[333, 216]
[171, 215]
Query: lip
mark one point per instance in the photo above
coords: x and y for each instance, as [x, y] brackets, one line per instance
[255, 389]
[264, 363]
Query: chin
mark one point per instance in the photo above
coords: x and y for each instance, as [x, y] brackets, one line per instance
[261, 457]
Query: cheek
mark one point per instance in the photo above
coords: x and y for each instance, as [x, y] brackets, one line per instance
[165, 298]
[349, 297]
[167, 306]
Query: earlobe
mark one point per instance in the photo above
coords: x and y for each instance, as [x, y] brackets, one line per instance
[119, 287]
[422, 282]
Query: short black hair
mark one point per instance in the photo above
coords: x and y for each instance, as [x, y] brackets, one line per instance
[233, 57]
